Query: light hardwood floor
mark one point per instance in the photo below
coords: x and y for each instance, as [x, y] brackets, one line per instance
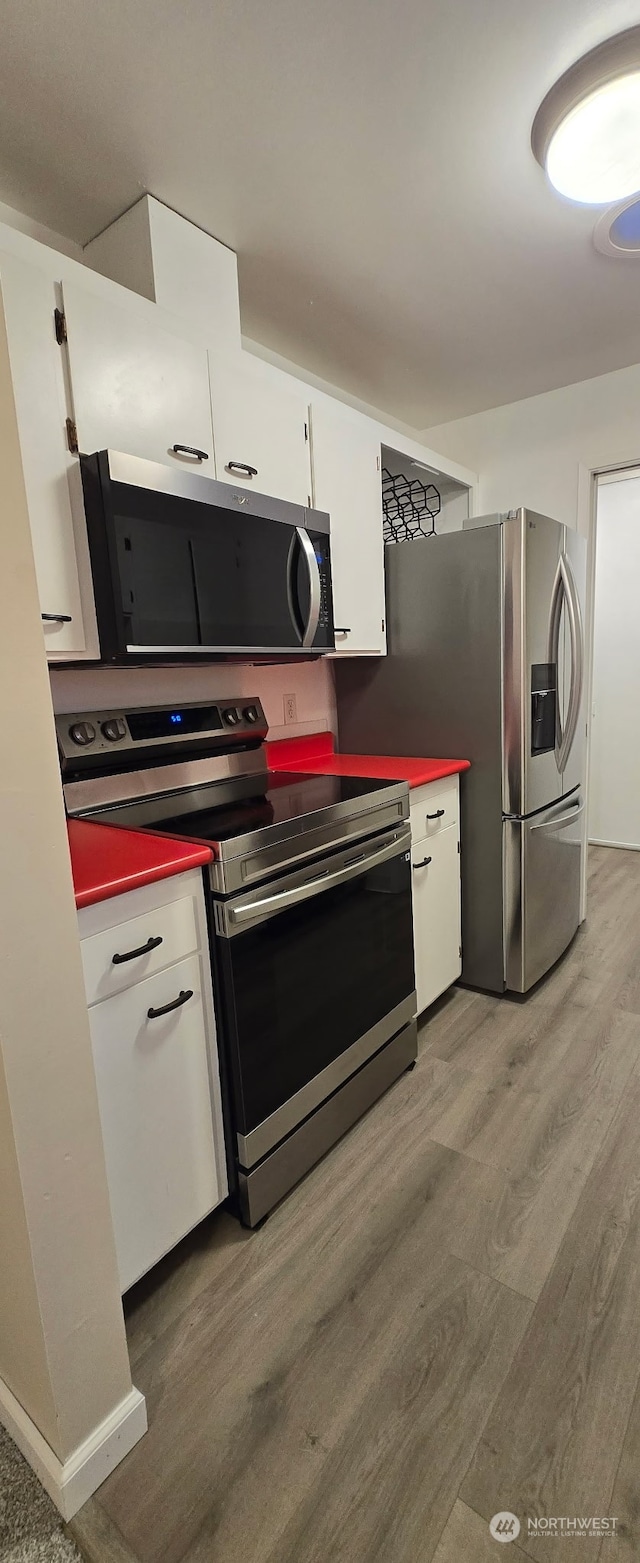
[442, 1321]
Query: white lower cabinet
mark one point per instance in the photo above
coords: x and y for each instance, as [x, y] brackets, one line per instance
[435, 869]
[155, 1057]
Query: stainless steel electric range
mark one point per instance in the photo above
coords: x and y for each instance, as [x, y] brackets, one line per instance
[309, 897]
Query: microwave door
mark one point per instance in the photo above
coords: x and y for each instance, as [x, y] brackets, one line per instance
[243, 572]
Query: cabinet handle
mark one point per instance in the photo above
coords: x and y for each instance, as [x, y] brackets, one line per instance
[242, 466]
[341, 630]
[56, 618]
[143, 949]
[424, 862]
[183, 998]
[190, 450]
[438, 814]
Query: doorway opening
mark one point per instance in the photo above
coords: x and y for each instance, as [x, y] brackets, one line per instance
[614, 779]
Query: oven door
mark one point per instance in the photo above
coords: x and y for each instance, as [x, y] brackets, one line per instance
[185, 565]
[315, 974]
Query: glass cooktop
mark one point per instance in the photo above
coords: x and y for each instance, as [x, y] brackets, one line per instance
[250, 804]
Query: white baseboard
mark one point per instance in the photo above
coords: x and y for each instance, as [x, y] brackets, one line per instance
[625, 846]
[71, 1482]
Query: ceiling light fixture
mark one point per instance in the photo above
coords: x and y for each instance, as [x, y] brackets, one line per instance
[586, 133]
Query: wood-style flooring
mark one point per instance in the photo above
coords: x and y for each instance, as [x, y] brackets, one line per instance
[441, 1322]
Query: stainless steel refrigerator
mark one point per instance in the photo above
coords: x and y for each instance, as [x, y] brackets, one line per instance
[486, 662]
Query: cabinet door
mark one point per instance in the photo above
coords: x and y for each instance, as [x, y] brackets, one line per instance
[154, 1096]
[259, 423]
[136, 387]
[435, 866]
[345, 456]
[38, 387]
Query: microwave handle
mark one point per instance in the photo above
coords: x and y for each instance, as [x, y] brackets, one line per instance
[314, 585]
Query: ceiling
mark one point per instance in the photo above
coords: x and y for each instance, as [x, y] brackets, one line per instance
[368, 160]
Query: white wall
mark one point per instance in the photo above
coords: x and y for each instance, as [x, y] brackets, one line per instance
[614, 808]
[539, 452]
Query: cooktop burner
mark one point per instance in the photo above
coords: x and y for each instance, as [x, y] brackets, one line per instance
[280, 797]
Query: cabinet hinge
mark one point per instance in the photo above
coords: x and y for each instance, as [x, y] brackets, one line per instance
[60, 320]
[72, 436]
[458, 846]
[306, 430]
[460, 951]
[382, 625]
[377, 463]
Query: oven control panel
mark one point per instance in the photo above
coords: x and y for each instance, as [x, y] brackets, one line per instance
[100, 737]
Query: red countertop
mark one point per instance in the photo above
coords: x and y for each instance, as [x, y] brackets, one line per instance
[106, 861]
[316, 753]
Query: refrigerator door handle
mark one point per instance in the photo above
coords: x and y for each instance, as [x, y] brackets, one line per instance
[576, 632]
[565, 591]
[561, 820]
[553, 646]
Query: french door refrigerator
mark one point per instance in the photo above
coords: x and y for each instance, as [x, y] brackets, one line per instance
[486, 662]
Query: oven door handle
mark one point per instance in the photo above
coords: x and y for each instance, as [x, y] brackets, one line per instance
[267, 906]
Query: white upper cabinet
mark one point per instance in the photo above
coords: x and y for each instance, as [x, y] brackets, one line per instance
[135, 386]
[260, 428]
[60, 547]
[345, 452]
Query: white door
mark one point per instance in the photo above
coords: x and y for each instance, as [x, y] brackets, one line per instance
[154, 1097]
[345, 455]
[435, 869]
[614, 808]
[135, 386]
[260, 427]
[38, 386]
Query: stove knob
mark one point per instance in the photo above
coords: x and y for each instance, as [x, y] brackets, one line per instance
[82, 733]
[231, 717]
[250, 714]
[114, 729]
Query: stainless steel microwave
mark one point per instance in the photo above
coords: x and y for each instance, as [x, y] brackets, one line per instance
[187, 567]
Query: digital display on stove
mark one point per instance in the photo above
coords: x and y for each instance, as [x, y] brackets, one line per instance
[162, 724]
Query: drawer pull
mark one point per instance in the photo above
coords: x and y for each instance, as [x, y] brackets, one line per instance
[190, 450]
[143, 949]
[56, 618]
[340, 630]
[242, 466]
[438, 814]
[424, 862]
[165, 1009]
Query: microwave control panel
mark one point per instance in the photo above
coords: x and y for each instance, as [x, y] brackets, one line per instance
[321, 550]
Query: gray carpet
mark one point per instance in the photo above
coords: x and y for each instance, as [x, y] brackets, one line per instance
[31, 1530]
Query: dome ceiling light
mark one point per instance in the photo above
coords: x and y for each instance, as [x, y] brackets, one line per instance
[586, 133]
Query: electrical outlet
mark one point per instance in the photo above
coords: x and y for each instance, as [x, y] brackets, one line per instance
[290, 708]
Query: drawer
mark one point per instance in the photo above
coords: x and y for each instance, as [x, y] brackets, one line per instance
[154, 1096]
[162, 936]
[434, 808]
